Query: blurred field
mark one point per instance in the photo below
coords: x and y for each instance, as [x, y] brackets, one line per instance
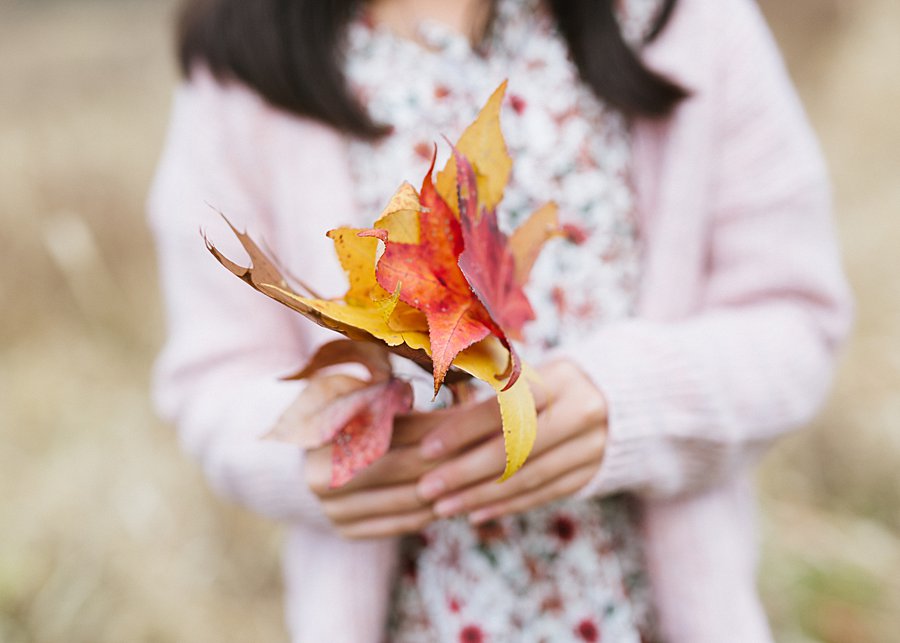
[107, 533]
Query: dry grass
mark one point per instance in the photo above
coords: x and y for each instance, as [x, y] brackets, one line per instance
[832, 494]
[108, 533]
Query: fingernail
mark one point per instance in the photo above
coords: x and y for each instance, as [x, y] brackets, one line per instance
[432, 448]
[479, 516]
[431, 488]
[448, 507]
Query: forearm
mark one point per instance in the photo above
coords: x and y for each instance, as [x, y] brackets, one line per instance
[695, 401]
[221, 415]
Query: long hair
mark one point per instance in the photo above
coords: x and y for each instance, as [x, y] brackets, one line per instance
[291, 53]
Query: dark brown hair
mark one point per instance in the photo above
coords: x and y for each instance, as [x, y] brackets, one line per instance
[291, 52]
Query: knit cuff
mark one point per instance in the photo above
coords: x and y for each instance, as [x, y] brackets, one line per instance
[648, 386]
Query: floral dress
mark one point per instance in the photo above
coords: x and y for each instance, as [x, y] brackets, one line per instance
[572, 570]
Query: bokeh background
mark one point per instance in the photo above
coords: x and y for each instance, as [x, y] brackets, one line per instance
[107, 533]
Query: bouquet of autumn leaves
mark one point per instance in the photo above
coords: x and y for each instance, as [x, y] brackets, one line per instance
[434, 280]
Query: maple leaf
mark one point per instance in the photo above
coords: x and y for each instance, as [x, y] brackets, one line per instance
[517, 411]
[487, 262]
[367, 436]
[529, 238]
[423, 242]
[483, 145]
[378, 320]
[354, 416]
[447, 292]
[342, 351]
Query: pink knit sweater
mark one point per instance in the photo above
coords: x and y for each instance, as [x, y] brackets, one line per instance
[742, 306]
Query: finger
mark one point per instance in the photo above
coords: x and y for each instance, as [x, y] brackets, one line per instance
[559, 422]
[387, 526]
[397, 466]
[568, 415]
[541, 390]
[409, 428]
[583, 451]
[462, 426]
[556, 423]
[564, 380]
[383, 501]
[485, 461]
[562, 487]
[552, 378]
[317, 470]
[466, 425]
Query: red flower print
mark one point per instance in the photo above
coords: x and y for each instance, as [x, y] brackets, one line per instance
[563, 528]
[552, 604]
[574, 233]
[568, 114]
[585, 157]
[587, 310]
[454, 605]
[559, 300]
[471, 634]
[535, 570]
[441, 91]
[612, 254]
[490, 530]
[424, 150]
[517, 103]
[588, 631]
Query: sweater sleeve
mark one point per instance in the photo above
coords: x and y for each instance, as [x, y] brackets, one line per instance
[217, 376]
[694, 400]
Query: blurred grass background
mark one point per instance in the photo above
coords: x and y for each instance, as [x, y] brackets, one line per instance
[107, 533]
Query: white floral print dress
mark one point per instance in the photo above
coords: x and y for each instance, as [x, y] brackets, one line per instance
[572, 570]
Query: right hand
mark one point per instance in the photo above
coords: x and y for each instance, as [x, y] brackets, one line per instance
[382, 500]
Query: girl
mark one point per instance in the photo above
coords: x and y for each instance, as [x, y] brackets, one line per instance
[693, 322]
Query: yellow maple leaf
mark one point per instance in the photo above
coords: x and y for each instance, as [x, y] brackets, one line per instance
[517, 410]
[483, 144]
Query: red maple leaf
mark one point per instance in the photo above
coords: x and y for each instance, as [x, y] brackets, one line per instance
[366, 436]
[355, 416]
[426, 270]
[487, 260]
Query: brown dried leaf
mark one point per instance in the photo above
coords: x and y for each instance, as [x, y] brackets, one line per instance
[344, 351]
[529, 238]
[360, 323]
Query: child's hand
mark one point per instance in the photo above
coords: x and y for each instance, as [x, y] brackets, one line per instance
[382, 500]
[572, 424]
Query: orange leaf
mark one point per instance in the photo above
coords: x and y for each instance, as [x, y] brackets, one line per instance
[423, 242]
[487, 261]
[528, 239]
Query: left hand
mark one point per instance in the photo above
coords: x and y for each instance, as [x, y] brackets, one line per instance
[382, 500]
[571, 436]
